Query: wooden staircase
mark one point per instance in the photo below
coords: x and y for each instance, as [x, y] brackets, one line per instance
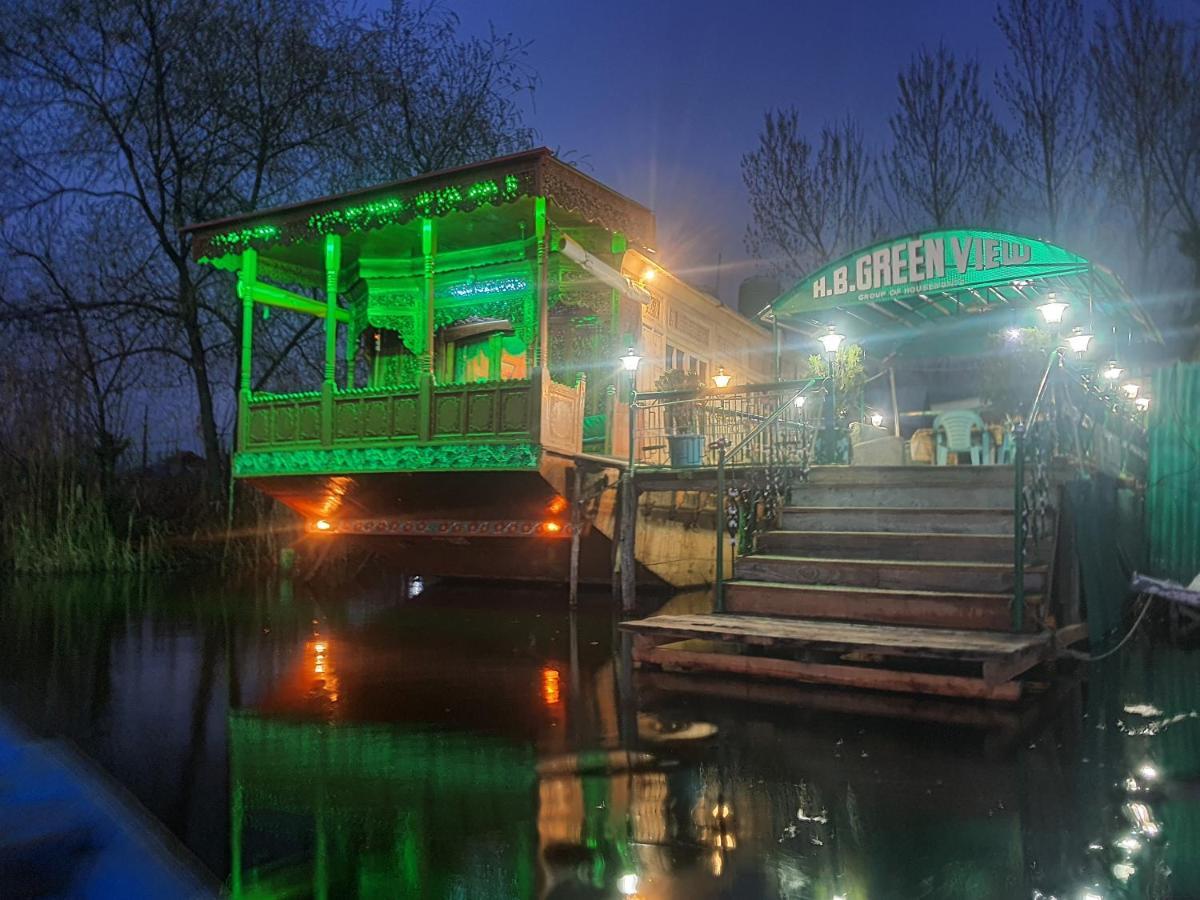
[891, 578]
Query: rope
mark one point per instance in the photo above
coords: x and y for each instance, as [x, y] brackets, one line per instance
[1075, 654]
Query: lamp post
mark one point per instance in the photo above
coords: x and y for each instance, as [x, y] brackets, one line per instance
[831, 342]
[1053, 310]
[1079, 341]
[722, 378]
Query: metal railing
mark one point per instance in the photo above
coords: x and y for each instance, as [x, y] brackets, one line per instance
[709, 418]
[778, 445]
[1074, 419]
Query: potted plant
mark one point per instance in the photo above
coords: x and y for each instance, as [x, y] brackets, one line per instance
[685, 438]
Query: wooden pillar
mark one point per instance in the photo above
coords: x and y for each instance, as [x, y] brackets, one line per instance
[429, 252]
[247, 276]
[542, 235]
[333, 262]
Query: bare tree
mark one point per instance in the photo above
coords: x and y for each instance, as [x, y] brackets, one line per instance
[156, 113]
[808, 205]
[1045, 95]
[941, 166]
[1128, 54]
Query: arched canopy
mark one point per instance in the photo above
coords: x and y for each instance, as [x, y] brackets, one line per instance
[901, 287]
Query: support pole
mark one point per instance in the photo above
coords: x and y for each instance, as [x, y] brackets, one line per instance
[1017, 614]
[576, 527]
[777, 335]
[628, 544]
[895, 405]
[719, 582]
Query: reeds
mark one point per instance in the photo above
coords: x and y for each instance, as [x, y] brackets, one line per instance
[57, 525]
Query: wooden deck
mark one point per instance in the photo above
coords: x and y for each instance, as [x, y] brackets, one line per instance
[991, 658]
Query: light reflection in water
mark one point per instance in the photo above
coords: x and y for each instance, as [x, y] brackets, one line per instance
[450, 707]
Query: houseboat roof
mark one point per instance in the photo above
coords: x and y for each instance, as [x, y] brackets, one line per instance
[490, 183]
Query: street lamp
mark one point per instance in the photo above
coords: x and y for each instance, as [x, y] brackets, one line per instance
[1131, 389]
[1053, 309]
[1142, 403]
[877, 420]
[831, 341]
[629, 362]
[1078, 341]
[722, 378]
[1112, 371]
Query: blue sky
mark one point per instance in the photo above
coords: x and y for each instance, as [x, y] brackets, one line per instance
[661, 99]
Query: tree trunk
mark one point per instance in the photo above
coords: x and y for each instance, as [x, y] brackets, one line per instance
[198, 363]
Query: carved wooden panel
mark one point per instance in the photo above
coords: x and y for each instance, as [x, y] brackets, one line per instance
[376, 415]
[514, 411]
[405, 411]
[447, 414]
[480, 410]
[260, 425]
[309, 424]
[285, 423]
[347, 419]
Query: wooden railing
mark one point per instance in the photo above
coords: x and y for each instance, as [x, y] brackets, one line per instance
[536, 410]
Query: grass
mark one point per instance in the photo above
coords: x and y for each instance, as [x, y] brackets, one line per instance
[58, 526]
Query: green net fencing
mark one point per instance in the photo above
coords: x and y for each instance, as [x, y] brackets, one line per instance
[1173, 486]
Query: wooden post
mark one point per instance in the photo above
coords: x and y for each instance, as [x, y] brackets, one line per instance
[628, 545]
[429, 252]
[542, 234]
[246, 279]
[333, 262]
[576, 527]
[719, 581]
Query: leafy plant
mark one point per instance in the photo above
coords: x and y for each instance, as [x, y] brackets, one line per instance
[682, 416]
[1012, 369]
[850, 376]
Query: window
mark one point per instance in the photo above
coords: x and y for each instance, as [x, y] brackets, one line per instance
[678, 359]
[670, 357]
[703, 371]
[692, 365]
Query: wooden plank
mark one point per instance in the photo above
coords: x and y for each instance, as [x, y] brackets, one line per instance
[909, 546]
[879, 605]
[1070, 634]
[889, 640]
[895, 574]
[998, 671]
[915, 708]
[844, 676]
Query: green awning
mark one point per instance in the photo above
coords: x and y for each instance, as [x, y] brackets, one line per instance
[897, 289]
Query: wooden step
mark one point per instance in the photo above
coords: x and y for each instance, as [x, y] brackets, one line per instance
[914, 475]
[910, 520]
[999, 655]
[986, 577]
[889, 545]
[912, 496]
[933, 609]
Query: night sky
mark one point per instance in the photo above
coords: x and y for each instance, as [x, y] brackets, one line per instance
[661, 99]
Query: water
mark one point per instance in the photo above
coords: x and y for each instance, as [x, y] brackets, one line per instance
[445, 741]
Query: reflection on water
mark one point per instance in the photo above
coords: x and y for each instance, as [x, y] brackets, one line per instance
[476, 742]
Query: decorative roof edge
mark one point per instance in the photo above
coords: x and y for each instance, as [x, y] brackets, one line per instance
[491, 182]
